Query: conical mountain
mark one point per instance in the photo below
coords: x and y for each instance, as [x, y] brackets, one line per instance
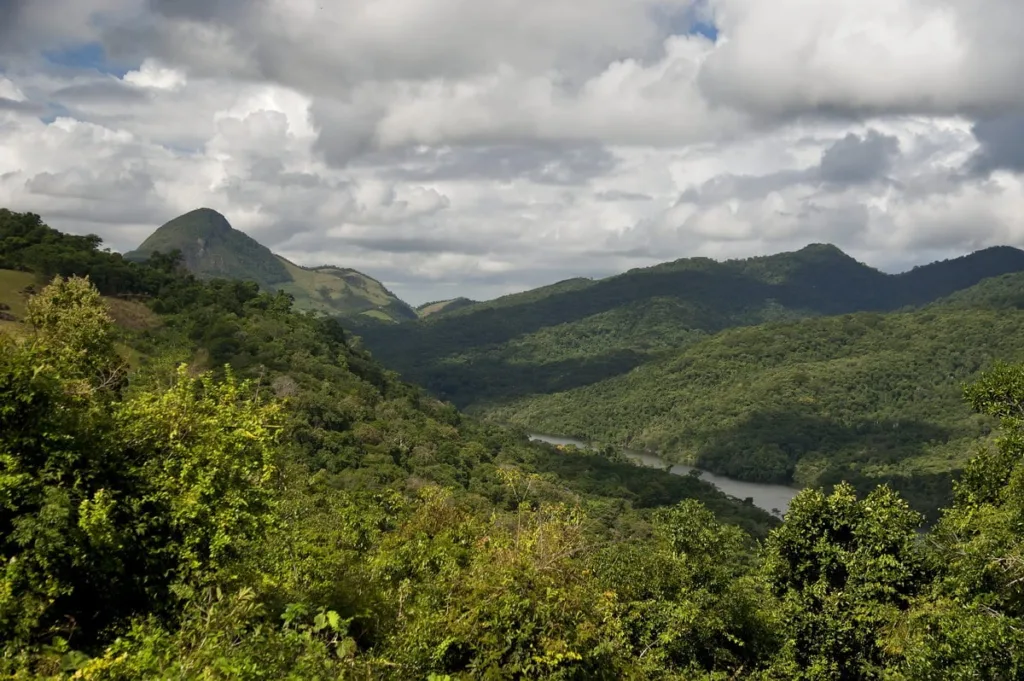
[212, 248]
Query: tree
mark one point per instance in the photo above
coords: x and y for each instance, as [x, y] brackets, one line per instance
[108, 501]
[970, 625]
[843, 570]
[74, 330]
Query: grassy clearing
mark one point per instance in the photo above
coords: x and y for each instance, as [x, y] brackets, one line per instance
[12, 283]
[336, 290]
[132, 315]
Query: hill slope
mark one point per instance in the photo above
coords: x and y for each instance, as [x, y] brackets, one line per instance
[995, 293]
[438, 307]
[329, 521]
[211, 248]
[868, 398]
[581, 331]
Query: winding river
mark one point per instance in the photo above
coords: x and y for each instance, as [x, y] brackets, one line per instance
[771, 498]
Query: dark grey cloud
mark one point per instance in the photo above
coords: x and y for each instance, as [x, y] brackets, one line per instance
[22, 107]
[553, 163]
[203, 10]
[744, 187]
[1001, 141]
[129, 186]
[850, 161]
[346, 130]
[270, 170]
[10, 18]
[418, 244]
[617, 195]
[108, 90]
[856, 160]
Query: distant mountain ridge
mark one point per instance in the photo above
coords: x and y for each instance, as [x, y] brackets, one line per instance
[212, 248]
[437, 307]
[581, 331]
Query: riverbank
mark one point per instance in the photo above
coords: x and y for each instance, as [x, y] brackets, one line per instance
[772, 498]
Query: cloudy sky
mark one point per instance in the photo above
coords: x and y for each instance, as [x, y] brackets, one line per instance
[478, 147]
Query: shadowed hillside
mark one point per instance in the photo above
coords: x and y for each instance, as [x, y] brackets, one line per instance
[519, 344]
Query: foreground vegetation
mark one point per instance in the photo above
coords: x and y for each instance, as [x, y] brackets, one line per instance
[231, 490]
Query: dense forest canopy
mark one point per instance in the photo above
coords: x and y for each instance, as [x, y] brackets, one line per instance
[580, 331]
[198, 482]
[804, 368]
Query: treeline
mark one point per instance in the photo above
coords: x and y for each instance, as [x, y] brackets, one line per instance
[232, 491]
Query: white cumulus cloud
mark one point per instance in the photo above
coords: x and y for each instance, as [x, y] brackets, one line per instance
[456, 147]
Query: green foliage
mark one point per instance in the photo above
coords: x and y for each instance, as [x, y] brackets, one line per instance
[1005, 292]
[844, 570]
[108, 500]
[26, 243]
[970, 623]
[74, 327]
[579, 332]
[209, 461]
[296, 512]
[865, 398]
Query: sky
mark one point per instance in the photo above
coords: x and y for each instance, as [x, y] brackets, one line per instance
[476, 148]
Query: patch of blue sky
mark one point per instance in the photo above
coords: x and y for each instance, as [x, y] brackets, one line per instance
[89, 56]
[708, 30]
[53, 112]
[693, 20]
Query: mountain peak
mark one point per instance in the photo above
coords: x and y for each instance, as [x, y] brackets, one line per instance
[215, 218]
[823, 249]
[199, 221]
[212, 248]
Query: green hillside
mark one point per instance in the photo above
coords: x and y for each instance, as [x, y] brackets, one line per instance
[253, 496]
[580, 331]
[865, 397]
[211, 248]
[438, 307]
[342, 291]
[994, 293]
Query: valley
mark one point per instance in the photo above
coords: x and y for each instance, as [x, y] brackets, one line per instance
[803, 369]
[798, 369]
[238, 470]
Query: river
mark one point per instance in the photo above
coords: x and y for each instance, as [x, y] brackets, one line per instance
[771, 498]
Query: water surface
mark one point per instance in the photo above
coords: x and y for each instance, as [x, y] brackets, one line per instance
[771, 498]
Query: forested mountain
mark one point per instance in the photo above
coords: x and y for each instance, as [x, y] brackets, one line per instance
[867, 398]
[211, 248]
[580, 331]
[197, 482]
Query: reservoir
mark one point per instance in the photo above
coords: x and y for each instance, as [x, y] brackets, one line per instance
[771, 498]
